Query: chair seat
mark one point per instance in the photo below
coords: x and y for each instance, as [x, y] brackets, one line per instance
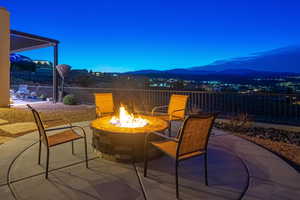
[169, 147]
[167, 117]
[62, 137]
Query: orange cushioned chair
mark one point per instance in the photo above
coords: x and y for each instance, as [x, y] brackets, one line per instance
[68, 135]
[192, 141]
[175, 110]
[104, 104]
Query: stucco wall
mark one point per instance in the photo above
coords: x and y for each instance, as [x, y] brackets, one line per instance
[4, 57]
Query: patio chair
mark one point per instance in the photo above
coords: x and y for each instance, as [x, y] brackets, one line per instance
[104, 104]
[175, 110]
[192, 141]
[68, 135]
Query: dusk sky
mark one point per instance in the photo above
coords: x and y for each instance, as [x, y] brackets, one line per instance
[129, 35]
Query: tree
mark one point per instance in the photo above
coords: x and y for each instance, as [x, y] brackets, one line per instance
[63, 71]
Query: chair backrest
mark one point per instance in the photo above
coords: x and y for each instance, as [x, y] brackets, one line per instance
[39, 124]
[104, 103]
[177, 102]
[195, 133]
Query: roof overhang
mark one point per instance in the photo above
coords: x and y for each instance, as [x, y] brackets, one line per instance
[20, 41]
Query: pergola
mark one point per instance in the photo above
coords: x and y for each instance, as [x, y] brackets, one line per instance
[13, 41]
[20, 41]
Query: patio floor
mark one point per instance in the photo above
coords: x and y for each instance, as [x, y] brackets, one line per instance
[237, 169]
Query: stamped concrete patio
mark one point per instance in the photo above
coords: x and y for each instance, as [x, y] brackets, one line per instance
[237, 170]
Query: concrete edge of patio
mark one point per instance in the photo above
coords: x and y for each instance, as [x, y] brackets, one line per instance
[269, 176]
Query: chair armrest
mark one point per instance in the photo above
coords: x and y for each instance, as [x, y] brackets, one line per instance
[100, 114]
[177, 110]
[158, 108]
[174, 111]
[162, 136]
[82, 129]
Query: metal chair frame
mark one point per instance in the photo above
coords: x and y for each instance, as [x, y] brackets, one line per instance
[171, 118]
[98, 108]
[43, 134]
[179, 142]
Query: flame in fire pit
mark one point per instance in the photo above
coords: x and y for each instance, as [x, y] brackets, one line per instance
[128, 120]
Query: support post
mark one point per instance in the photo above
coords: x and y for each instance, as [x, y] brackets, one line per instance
[4, 57]
[55, 79]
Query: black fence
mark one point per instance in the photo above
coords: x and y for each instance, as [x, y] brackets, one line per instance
[274, 108]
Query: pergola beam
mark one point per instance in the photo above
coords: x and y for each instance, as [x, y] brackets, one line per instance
[21, 41]
[31, 48]
[32, 36]
[15, 41]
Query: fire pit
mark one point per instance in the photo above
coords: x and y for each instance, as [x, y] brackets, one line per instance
[122, 138]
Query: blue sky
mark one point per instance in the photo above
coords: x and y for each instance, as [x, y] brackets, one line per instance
[111, 35]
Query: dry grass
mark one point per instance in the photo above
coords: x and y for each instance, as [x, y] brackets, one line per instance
[48, 111]
[290, 152]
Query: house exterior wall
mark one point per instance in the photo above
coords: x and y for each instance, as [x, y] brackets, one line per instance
[4, 57]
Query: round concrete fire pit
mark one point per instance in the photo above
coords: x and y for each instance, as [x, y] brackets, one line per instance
[121, 143]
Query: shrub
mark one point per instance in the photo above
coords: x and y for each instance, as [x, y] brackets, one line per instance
[240, 122]
[69, 99]
[196, 110]
[43, 96]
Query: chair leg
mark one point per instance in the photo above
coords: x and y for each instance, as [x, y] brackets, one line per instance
[145, 159]
[40, 150]
[205, 168]
[176, 179]
[73, 147]
[86, 156]
[47, 163]
[133, 153]
[170, 131]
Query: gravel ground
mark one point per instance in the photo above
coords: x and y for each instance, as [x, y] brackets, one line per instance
[289, 152]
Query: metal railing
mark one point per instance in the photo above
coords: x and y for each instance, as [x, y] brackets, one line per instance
[274, 108]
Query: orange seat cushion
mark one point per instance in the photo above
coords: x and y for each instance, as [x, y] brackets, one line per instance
[167, 117]
[62, 137]
[170, 148]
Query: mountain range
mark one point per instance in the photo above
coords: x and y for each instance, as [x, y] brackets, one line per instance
[284, 60]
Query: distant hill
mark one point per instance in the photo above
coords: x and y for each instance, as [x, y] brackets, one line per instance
[183, 73]
[277, 61]
[172, 71]
[285, 59]
[144, 72]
